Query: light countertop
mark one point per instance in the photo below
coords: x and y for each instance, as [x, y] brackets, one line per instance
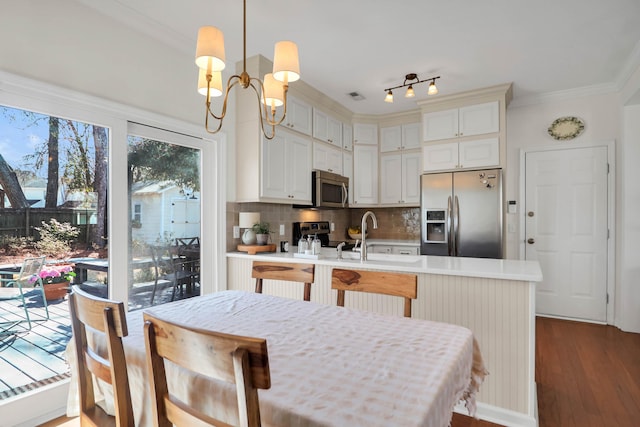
[505, 269]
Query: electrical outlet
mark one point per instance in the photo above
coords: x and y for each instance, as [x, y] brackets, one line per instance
[333, 226]
[236, 232]
[282, 229]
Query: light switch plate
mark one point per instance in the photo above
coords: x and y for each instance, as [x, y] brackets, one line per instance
[282, 229]
[236, 232]
[333, 226]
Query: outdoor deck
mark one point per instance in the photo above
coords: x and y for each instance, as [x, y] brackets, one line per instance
[31, 359]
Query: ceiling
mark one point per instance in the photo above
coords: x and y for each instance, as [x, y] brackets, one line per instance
[543, 47]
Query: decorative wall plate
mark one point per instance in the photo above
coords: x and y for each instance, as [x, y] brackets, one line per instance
[566, 128]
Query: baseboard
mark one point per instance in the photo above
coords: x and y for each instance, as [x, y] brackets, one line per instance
[37, 407]
[497, 415]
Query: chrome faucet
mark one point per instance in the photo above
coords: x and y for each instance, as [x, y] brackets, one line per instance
[363, 230]
[340, 245]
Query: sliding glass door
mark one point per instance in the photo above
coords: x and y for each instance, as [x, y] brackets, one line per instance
[164, 198]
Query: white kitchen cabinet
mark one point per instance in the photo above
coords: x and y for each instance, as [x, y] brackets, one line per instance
[347, 170]
[400, 178]
[461, 155]
[299, 115]
[326, 157]
[347, 137]
[327, 128]
[380, 249]
[477, 119]
[286, 166]
[365, 133]
[404, 137]
[365, 175]
[405, 250]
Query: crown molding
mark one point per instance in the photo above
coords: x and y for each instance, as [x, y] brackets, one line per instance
[564, 95]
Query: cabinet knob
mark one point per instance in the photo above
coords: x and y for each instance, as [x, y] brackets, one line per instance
[531, 241]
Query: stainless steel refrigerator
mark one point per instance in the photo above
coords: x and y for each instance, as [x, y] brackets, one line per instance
[462, 214]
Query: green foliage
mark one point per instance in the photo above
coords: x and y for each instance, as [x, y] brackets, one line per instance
[151, 160]
[262, 228]
[16, 245]
[56, 237]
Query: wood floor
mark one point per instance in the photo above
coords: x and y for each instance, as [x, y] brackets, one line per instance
[587, 376]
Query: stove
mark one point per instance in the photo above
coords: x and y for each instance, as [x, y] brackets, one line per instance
[319, 228]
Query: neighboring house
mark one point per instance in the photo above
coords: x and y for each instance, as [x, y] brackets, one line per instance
[161, 210]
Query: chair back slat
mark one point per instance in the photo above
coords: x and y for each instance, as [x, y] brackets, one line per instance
[379, 282]
[239, 360]
[290, 272]
[107, 322]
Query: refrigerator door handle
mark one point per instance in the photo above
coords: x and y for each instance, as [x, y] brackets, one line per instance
[449, 228]
[456, 225]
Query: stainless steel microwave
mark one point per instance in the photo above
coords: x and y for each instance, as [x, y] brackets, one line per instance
[329, 190]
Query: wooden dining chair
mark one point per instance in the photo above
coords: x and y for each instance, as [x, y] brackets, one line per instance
[291, 272]
[104, 318]
[242, 361]
[378, 282]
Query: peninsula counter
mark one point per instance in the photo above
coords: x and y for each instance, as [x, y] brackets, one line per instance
[493, 298]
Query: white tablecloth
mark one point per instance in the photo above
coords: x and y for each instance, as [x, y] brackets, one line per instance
[330, 366]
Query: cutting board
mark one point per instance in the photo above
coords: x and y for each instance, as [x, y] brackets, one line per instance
[254, 249]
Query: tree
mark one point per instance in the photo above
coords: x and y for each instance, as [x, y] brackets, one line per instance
[100, 143]
[53, 165]
[151, 160]
[11, 186]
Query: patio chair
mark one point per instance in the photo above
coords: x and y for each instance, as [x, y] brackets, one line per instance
[169, 270]
[14, 287]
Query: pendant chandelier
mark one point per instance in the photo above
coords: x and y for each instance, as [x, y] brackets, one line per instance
[410, 92]
[271, 93]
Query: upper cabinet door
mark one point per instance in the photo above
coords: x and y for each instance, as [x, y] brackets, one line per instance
[390, 139]
[411, 136]
[320, 126]
[440, 157]
[298, 116]
[334, 130]
[347, 137]
[365, 133]
[479, 119]
[440, 125]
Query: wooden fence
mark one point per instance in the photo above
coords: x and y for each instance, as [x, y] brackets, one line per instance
[22, 222]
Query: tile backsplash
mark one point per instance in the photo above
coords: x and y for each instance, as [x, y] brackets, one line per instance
[393, 223]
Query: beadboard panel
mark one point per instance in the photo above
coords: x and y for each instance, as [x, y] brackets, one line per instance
[499, 312]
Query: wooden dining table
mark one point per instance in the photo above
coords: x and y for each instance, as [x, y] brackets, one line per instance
[330, 366]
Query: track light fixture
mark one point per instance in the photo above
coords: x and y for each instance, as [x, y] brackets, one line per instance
[271, 91]
[410, 93]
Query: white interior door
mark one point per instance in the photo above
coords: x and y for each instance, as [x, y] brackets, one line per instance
[566, 230]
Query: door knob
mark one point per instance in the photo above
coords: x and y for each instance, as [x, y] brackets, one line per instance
[530, 241]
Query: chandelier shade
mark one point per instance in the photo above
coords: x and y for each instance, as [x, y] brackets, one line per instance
[215, 88]
[210, 49]
[286, 68]
[273, 92]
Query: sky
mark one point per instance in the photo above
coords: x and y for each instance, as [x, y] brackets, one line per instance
[19, 136]
[17, 139]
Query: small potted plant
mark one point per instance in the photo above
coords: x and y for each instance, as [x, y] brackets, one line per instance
[55, 280]
[262, 231]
